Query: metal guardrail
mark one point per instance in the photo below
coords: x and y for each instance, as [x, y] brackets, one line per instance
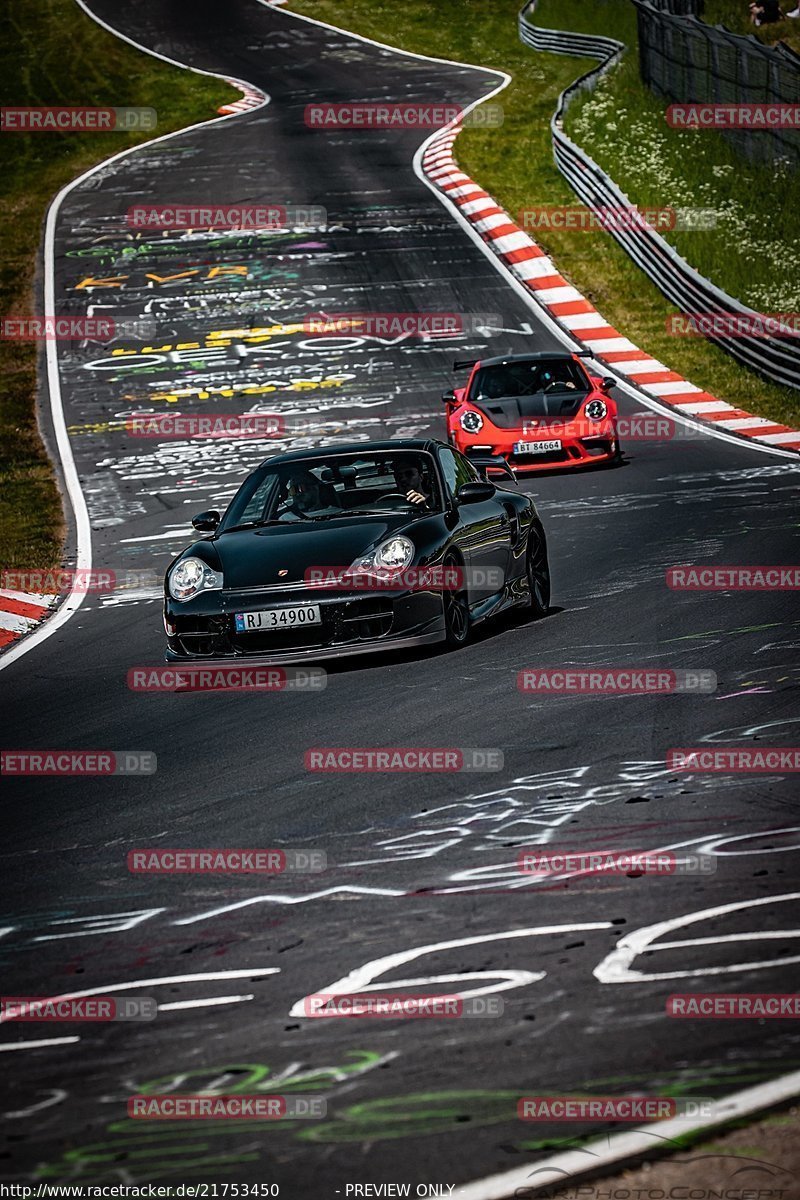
[685, 60]
[774, 358]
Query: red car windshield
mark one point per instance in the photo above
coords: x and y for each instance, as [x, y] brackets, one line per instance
[539, 387]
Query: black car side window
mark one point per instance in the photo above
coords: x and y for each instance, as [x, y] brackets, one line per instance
[457, 470]
[254, 509]
[466, 472]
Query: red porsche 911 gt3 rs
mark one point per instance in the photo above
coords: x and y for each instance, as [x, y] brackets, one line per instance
[538, 411]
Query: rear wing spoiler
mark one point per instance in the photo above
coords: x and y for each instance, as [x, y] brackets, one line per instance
[462, 364]
[484, 463]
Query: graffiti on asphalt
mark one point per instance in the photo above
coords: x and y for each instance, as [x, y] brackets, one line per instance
[131, 1154]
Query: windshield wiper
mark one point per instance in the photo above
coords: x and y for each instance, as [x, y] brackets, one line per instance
[350, 512]
[257, 525]
[369, 512]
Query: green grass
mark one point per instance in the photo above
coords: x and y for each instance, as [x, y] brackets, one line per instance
[611, 18]
[621, 124]
[733, 14]
[52, 53]
[515, 164]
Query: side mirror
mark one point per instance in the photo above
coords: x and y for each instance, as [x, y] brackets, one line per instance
[475, 492]
[207, 522]
[607, 383]
[449, 397]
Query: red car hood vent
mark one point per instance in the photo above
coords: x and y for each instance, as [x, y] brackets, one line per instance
[507, 412]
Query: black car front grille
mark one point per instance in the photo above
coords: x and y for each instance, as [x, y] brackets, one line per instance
[202, 636]
[311, 637]
[366, 618]
[358, 620]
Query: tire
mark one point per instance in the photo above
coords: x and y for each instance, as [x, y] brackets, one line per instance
[455, 603]
[537, 570]
[616, 459]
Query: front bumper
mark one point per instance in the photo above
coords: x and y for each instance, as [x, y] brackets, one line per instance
[352, 623]
[577, 450]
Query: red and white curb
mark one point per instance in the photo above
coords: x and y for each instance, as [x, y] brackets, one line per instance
[251, 98]
[529, 263]
[20, 612]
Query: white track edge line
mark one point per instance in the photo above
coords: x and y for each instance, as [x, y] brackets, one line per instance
[70, 473]
[563, 1169]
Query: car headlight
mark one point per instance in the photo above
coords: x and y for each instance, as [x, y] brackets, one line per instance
[395, 554]
[192, 576]
[471, 421]
[596, 410]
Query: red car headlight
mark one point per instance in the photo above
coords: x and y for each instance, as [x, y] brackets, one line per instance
[596, 410]
[471, 421]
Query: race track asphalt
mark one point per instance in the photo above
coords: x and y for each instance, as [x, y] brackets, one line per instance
[414, 861]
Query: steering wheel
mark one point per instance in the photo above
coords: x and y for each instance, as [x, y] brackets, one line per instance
[554, 385]
[392, 500]
[288, 507]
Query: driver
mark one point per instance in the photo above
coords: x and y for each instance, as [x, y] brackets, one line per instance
[411, 482]
[304, 495]
[557, 377]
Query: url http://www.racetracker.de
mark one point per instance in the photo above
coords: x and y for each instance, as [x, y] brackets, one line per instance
[186, 1191]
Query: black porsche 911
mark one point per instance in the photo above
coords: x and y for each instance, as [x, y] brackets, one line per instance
[366, 547]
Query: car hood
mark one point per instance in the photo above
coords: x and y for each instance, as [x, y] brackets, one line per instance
[507, 412]
[254, 557]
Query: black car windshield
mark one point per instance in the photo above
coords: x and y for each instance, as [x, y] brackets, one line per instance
[536, 386]
[328, 486]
